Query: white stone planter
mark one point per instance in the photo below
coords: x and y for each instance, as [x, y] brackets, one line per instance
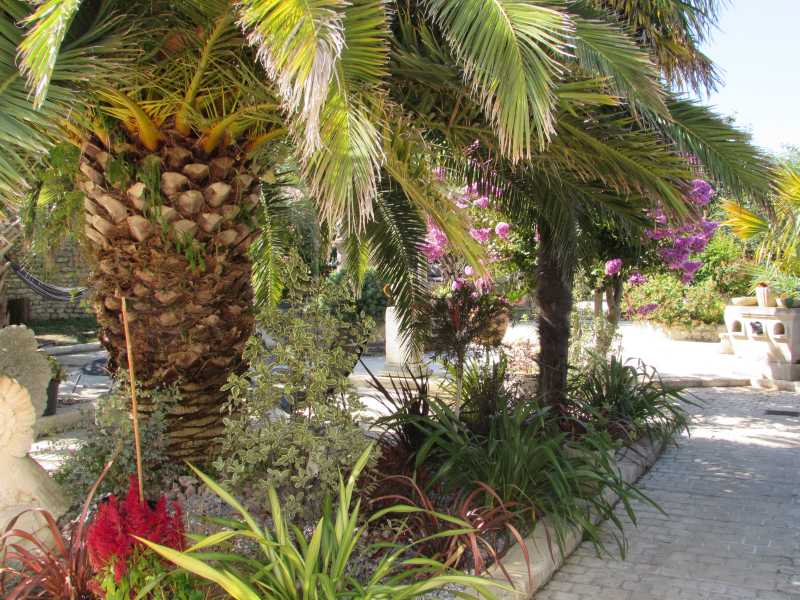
[767, 338]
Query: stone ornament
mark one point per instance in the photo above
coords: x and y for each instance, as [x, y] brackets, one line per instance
[17, 417]
[25, 484]
[21, 360]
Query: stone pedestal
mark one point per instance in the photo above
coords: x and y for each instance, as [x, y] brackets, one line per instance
[400, 357]
[768, 338]
[26, 485]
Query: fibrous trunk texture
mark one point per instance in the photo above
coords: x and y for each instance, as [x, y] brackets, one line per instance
[556, 272]
[170, 232]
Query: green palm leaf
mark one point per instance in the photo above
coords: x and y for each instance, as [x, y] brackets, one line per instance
[39, 49]
[510, 51]
[726, 152]
[395, 237]
[299, 43]
[343, 171]
[606, 50]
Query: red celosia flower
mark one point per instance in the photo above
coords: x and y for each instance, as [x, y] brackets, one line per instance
[110, 537]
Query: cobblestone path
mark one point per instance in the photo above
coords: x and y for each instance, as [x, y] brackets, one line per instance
[732, 494]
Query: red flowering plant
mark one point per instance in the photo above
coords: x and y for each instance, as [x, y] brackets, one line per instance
[124, 566]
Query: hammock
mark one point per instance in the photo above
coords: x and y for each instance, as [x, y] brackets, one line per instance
[46, 290]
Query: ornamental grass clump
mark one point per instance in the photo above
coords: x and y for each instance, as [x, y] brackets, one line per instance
[292, 565]
[629, 401]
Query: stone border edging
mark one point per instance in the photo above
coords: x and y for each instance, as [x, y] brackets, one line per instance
[632, 462]
[700, 382]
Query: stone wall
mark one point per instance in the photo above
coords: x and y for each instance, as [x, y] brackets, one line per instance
[66, 269]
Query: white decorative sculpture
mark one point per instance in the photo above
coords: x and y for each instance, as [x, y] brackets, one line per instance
[20, 359]
[24, 483]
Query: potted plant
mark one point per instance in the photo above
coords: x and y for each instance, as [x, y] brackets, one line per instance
[764, 295]
[57, 374]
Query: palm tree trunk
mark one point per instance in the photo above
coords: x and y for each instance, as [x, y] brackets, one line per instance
[556, 272]
[173, 239]
[614, 301]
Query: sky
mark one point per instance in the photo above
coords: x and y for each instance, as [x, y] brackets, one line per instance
[757, 50]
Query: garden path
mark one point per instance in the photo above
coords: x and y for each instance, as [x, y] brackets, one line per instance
[732, 494]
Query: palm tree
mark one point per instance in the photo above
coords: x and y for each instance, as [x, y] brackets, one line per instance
[620, 142]
[177, 124]
[776, 229]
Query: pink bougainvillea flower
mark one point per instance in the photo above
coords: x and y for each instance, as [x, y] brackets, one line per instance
[482, 202]
[435, 244]
[469, 271]
[502, 229]
[457, 285]
[701, 192]
[646, 309]
[613, 267]
[480, 235]
[637, 278]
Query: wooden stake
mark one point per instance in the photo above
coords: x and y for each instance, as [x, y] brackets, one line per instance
[134, 406]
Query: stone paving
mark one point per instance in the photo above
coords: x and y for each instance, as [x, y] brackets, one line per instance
[732, 494]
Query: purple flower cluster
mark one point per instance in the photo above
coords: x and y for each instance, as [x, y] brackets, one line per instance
[613, 267]
[435, 244]
[480, 234]
[637, 278]
[645, 310]
[681, 243]
[701, 192]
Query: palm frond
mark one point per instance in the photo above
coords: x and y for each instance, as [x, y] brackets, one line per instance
[673, 31]
[407, 157]
[268, 250]
[395, 237]
[726, 153]
[299, 43]
[743, 222]
[613, 150]
[343, 172]
[48, 26]
[606, 50]
[511, 53]
[101, 51]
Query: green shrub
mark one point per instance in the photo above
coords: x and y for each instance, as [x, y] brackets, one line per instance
[527, 460]
[111, 435]
[725, 263]
[372, 301]
[628, 401]
[292, 424]
[664, 299]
